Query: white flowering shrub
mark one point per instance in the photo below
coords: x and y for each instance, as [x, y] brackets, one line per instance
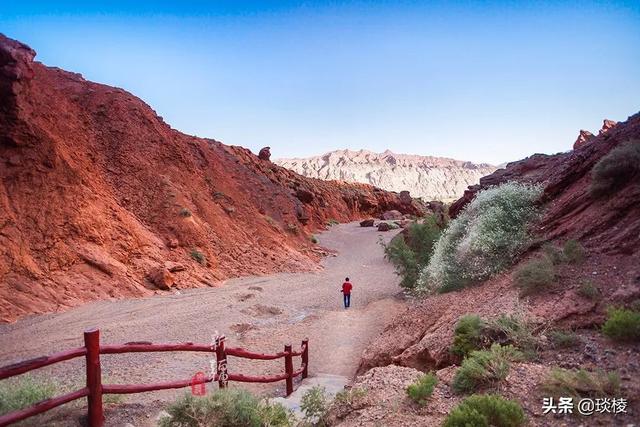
[484, 239]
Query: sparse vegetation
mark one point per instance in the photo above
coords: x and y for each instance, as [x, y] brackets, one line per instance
[589, 290]
[411, 256]
[420, 391]
[554, 253]
[581, 383]
[484, 239]
[484, 368]
[468, 335]
[314, 239]
[349, 397]
[535, 275]
[573, 251]
[622, 324]
[292, 228]
[315, 405]
[22, 393]
[331, 222]
[635, 305]
[226, 408]
[615, 170]
[563, 339]
[484, 410]
[184, 212]
[198, 256]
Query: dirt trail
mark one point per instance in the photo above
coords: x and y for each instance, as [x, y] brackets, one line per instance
[257, 313]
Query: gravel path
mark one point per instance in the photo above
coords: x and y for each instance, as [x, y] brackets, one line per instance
[257, 313]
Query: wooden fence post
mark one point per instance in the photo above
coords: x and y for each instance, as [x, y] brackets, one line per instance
[94, 377]
[288, 368]
[305, 357]
[221, 357]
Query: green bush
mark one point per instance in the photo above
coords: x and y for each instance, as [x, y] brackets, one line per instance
[225, 408]
[484, 239]
[535, 275]
[468, 335]
[198, 256]
[315, 405]
[25, 392]
[563, 339]
[581, 383]
[420, 391]
[589, 290]
[554, 253]
[349, 398]
[484, 410]
[615, 170]
[409, 256]
[573, 251]
[622, 325]
[484, 368]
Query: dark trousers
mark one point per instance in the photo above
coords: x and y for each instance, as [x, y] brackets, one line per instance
[347, 300]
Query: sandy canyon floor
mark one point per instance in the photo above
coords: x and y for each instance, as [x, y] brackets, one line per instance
[260, 314]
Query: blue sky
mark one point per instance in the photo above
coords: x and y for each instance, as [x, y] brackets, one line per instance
[480, 81]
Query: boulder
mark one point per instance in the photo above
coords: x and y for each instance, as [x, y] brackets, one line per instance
[383, 226]
[304, 195]
[584, 137]
[405, 198]
[265, 154]
[392, 215]
[162, 278]
[367, 222]
[174, 267]
[607, 125]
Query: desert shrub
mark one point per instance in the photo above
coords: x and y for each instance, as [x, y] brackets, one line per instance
[535, 275]
[315, 405]
[409, 256]
[314, 239]
[225, 408]
[331, 222]
[198, 256]
[484, 239]
[515, 329]
[349, 397]
[484, 410]
[25, 392]
[563, 339]
[635, 305]
[613, 171]
[184, 212]
[484, 368]
[420, 391]
[588, 290]
[554, 253]
[581, 383]
[622, 325]
[573, 251]
[292, 228]
[468, 335]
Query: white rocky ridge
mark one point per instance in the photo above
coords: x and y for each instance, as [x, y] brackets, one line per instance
[432, 178]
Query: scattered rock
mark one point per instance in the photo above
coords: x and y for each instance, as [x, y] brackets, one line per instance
[392, 215]
[367, 222]
[174, 267]
[161, 278]
[265, 154]
[383, 226]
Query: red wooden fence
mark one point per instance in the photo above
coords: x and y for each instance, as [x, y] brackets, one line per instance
[95, 389]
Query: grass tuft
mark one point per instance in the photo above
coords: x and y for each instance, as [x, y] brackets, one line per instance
[420, 391]
[622, 325]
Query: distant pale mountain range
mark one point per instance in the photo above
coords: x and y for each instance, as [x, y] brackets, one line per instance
[432, 178]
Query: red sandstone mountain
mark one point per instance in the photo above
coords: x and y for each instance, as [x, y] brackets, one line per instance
[100, 198]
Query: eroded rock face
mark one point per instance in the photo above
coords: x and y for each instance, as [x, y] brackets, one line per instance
[432, 178]
[584, 137]
[265, 154]
[87, 211]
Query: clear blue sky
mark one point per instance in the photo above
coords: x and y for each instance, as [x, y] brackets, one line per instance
[481, 81]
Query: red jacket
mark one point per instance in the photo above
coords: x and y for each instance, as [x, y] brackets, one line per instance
[346, 288]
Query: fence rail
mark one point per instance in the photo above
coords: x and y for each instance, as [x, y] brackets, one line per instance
[95, 389]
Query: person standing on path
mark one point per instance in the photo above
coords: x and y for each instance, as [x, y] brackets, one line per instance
[346, 292]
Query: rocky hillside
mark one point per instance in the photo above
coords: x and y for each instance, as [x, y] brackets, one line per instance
[575, 302]
[100, 198]
[431, 178]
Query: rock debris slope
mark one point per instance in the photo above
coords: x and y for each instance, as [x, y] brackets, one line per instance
[100, 198]
[432, 178]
